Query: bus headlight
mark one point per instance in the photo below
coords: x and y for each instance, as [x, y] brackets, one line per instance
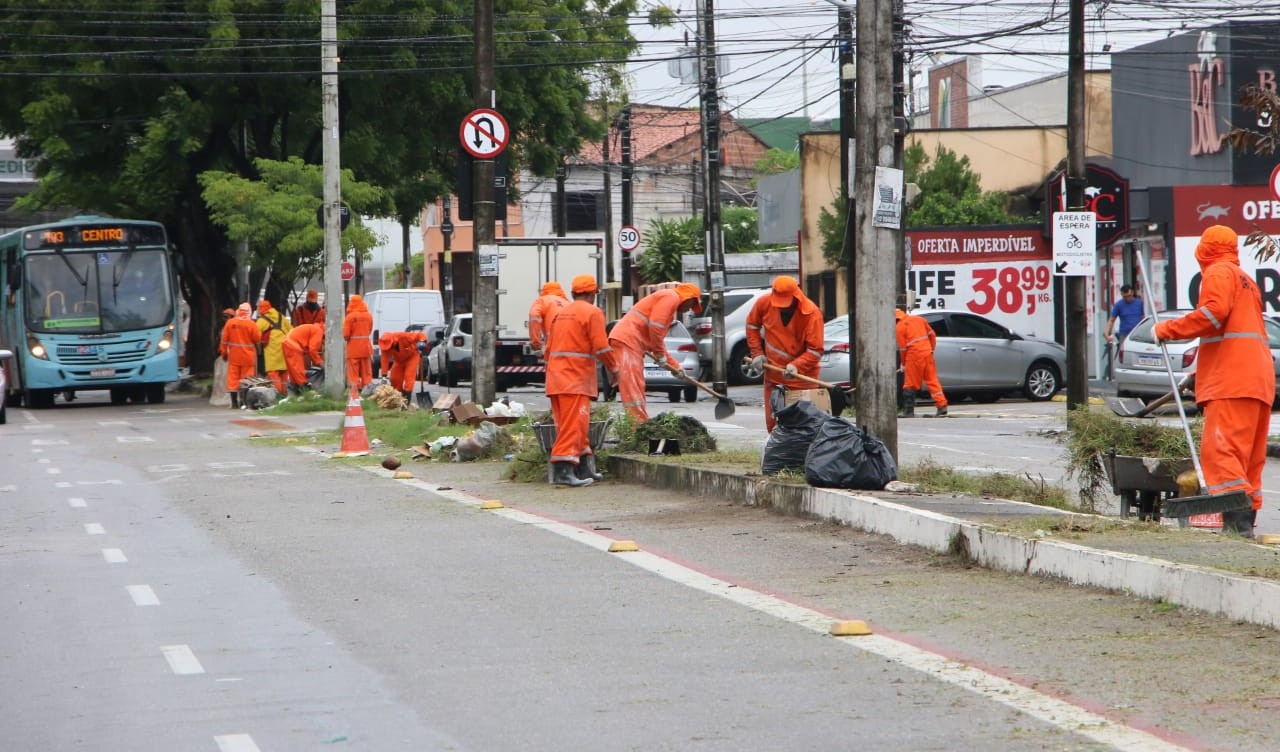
[166, 339]
[36, 349]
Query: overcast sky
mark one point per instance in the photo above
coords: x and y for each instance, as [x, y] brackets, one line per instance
[781, 53]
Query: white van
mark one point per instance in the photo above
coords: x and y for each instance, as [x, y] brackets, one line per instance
[398, 310]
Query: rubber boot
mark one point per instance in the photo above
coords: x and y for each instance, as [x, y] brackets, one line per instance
[1239, 522]
[235, 400]
[942, 412]
[408, 397]
[587, 468]
[563, 475]
[908, 403]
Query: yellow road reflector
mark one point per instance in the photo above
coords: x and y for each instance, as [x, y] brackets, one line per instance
[491, 504]
[621, 547]
[850, 628]
[291, 440]
[255, 435]
[402, 475]
[1269, 539]
[338, 455]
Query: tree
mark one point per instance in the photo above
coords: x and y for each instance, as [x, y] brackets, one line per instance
[122, 120]
[277, 215]
[665, 242]
[1265, 105]
[776, 161]
[950, 194]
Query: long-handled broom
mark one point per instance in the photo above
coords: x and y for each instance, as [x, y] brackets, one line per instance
[1204, 503]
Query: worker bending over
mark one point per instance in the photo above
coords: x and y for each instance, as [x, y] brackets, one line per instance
[643, 330]
[784, 329]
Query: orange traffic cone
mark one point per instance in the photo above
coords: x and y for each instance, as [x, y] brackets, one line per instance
[355, 440]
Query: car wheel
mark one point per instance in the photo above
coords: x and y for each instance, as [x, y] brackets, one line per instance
[673, 395]
[1042, 382]
[119, 396]
[737, 373]
[691, 394]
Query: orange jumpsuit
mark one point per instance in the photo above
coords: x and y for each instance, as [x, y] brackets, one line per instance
[273, 352]
[916, 343]
[303, 342]
[239, 346]
[541, 314]
[402, 349]
[1235, 376]
[798, 341]
[303, 314]
[642, 330]
[574, 343]
[357, 328]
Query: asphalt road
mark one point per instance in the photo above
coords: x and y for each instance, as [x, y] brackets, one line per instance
[171, 584]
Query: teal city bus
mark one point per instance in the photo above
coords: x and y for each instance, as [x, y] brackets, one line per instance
[89, 303]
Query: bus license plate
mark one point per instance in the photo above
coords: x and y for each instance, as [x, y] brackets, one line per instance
[99, 373]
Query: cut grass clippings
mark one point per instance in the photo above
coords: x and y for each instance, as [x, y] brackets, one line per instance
[1091, 432]
[930, 477]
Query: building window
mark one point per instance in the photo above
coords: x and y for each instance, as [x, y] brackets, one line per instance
[584, 210]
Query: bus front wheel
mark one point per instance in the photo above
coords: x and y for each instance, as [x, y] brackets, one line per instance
[39, 399]
[119, 396]
[155, 394]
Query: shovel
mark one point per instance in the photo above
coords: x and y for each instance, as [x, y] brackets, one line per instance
[1134, 407]
[724, 405]
[423, 396]
[1186, 506]
[810, 379]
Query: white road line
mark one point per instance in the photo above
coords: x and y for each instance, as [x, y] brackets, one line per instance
[105, 423]
[53, 471]
[49, 442]
[77, 502]
[143, 595]
[175, 468]
[113, 556]
[43, 461]
[186, 420]
[236, 743]
[182, 660]
[1050, 710]
[8, 488]
[134, 439]
[94, 528]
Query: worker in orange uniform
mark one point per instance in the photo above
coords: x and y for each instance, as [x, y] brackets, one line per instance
[273, 328]
[1235, 377]
[543, 312]
[357, 330]
[305, 342]
[403, 350]
[643, 330]
[309, 312]
[239, 347]
[575, 342]
[784, 329]
[916, 343]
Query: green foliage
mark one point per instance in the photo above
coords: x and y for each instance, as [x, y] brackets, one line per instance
[693, 436]
[665, 242]
[933, 478]
[776, 161]
[661, 16]
[277, 214]
[950, 191]
[1091, 433]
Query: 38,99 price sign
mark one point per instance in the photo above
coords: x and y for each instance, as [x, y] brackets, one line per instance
[1006, 276]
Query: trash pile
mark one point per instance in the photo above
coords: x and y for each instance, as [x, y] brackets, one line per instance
[388, 398]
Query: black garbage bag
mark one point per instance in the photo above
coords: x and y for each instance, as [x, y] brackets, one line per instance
[789, 441]
[844, 455]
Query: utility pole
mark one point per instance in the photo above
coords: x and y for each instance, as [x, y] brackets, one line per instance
[711, 155]
[628, 210]
[1077, 364]
[900, 128]
[335, 355]
[874, 260]
[446, 231]
[484, 287]
[562, 212]
[847, 73]
[608, 200]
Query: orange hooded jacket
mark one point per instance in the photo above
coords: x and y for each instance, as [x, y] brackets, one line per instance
[308, 339]
[357, 327]
[1234, 358]
[543, 312]
[799, 341]
[644, 327]
[914, 334]
[575, 341]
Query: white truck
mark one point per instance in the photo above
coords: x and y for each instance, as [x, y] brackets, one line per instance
[524, 265]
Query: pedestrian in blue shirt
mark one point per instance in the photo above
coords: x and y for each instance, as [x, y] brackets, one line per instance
[1127, 311]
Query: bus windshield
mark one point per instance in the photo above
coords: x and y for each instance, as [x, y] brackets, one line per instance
[104, 291]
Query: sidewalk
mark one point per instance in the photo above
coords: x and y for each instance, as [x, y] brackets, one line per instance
[1187, 567]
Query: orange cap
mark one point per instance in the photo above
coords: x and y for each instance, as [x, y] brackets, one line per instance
[229, 313]
[312, 296]
[690, 291]
[264, 305]
[584, 283]
[553, 288]
[1216, 243]
[785, 290]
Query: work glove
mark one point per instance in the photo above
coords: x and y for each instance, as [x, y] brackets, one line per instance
[422, 347]
[674, 368]
[757, 363]
[1155, 333]
[790, 371]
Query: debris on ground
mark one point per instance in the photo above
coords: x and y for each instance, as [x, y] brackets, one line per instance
[388, 398]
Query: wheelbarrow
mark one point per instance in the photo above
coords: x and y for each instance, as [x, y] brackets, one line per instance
[1143, 483]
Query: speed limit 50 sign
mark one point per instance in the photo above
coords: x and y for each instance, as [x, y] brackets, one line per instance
[628, 238]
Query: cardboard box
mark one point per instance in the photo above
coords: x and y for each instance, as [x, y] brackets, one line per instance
[465, 411]
[446, 401]
[821, 398]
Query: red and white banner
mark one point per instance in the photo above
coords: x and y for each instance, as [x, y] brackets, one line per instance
[1004, 274]
[1242, 208]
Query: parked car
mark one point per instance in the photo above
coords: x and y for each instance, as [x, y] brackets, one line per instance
[450, 361]
[976, 357]
[1140, 369]
[681, 346]
[5, 356]
[737, 304]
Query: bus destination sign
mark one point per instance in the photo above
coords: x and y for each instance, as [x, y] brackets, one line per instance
[92, 236]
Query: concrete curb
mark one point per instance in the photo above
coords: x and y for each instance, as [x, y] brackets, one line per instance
[1247, 599]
